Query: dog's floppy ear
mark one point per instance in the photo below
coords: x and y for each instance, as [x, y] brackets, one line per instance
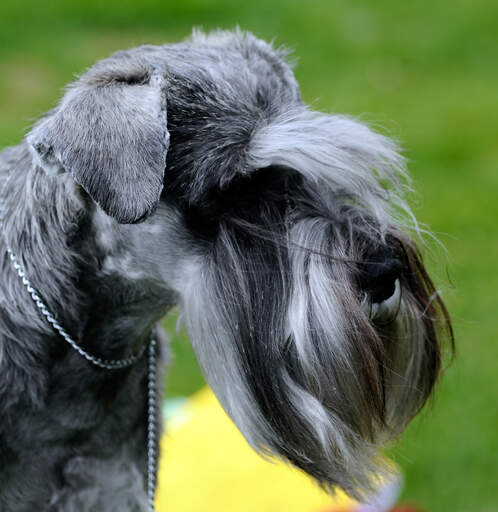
[109, 131]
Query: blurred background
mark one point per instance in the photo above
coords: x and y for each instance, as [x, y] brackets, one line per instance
[425, 72]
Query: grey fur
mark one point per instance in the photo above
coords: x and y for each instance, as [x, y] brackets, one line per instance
[268, 224]
[106, 131]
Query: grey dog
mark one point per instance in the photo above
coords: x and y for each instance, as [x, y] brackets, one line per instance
[193, 175]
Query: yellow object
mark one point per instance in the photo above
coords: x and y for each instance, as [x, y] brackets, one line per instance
[207, 466]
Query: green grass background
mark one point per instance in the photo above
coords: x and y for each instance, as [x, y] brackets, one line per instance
[426, 72]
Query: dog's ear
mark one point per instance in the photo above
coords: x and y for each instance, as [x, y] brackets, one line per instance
[109, 131]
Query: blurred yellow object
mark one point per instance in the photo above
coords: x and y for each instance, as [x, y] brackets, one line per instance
[207, 466]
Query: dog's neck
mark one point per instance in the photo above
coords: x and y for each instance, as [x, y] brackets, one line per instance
[48, 223]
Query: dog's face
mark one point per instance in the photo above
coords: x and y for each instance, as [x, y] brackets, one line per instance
[283, 233]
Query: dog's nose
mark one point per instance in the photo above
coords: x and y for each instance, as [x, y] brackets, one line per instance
[378, 278]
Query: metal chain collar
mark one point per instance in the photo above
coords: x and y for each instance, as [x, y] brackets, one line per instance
[152, 447]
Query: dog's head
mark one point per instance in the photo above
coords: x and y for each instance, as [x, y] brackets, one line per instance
[283, 232]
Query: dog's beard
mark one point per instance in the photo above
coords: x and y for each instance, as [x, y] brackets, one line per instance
[285, 339]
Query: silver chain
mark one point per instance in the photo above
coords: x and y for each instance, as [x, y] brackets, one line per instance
[152, 447]
[152, 426]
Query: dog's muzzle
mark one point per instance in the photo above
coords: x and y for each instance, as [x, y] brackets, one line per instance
[317, 331]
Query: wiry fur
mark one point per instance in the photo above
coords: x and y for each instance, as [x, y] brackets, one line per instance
[193, 174]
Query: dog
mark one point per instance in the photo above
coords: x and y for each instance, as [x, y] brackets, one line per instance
[193, 175]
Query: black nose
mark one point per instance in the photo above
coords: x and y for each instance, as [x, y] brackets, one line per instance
[378, 278]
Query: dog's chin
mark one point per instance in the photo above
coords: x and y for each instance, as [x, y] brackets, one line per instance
[305, 371]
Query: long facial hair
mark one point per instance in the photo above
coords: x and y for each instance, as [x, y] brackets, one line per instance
[285, 335]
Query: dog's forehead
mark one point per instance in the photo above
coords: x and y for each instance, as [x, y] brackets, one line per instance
[235, 56]
[221, 88]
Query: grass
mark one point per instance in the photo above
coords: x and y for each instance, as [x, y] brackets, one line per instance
[424, 71]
